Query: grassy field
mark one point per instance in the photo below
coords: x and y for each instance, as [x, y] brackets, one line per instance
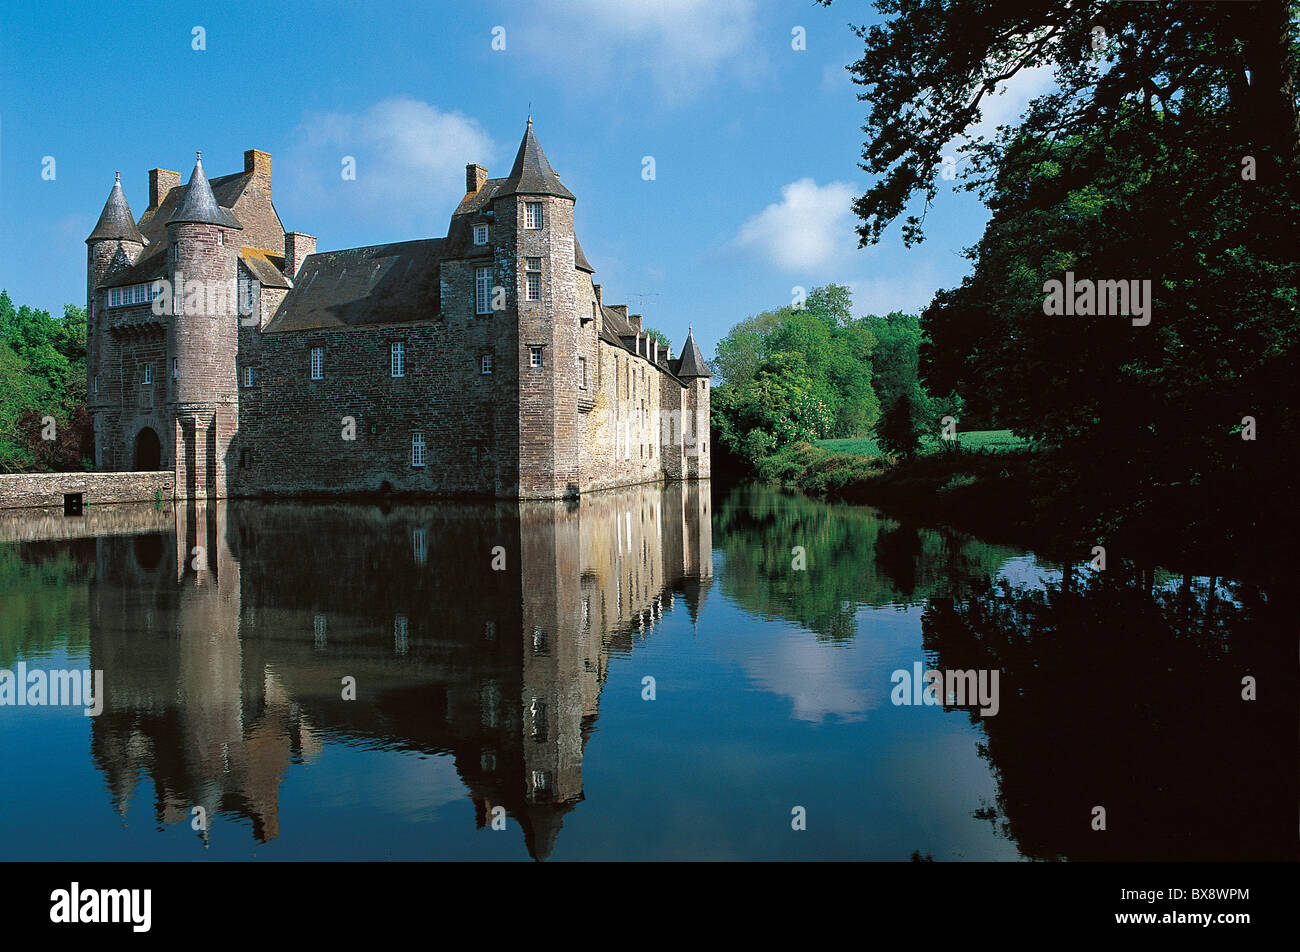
[995, 441]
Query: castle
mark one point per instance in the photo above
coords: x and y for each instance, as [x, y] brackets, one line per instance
[231, 352]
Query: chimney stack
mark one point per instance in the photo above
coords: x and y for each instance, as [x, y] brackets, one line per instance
[475, 176]
[257, 162]
[161, 181]
[635, 321]
[597, 289]
[297, 247]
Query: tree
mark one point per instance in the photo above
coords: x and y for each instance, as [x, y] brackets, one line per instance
[658, 335]
[42, 375]
[929, 69]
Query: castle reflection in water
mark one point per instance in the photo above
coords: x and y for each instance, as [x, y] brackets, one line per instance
[225, 633]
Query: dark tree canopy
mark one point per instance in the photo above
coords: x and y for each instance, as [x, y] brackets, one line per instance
[934, 63]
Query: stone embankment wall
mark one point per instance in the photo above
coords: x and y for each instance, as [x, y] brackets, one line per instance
[46, 490]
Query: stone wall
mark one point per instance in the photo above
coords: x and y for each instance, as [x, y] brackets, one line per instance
[47, 489]
[292, 428]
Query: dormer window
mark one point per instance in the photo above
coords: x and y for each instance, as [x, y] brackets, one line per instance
[480, 234]
[532, 214]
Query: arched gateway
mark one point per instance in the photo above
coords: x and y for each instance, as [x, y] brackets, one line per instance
[148, 451]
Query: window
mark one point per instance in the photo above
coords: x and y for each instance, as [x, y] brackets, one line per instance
[533, 215]
[148, 373]
[221, 238]
[399, 359]
[318, 363]
[582, 372]
[417, 449]
[176, 251]
[480, 234]
[483, 291]
[248, 376]
[135, 294]
[97, 383]
[533, 267]
[485, 364]
[534, 357]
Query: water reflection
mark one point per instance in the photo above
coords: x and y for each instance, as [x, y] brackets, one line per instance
[313, 670]
[482, 631]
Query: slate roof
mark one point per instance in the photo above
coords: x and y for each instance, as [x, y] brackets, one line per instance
[579, 259]
[262, 231]
[691, 363]
[532, 173]
[116, 220]
[199, 205]
[381, 284]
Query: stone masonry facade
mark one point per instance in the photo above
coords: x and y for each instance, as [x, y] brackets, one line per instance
[232, 354]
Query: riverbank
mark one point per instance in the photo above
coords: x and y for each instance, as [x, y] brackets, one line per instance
[1031, 497]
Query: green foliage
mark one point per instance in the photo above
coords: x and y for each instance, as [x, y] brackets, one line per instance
[42, 374]
[658, 335]
[1224, 336]
[1129, 168]
[795, 374]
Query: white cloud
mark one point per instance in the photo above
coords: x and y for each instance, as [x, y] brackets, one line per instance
[810, 230]
[410, 163]
[677, 45]
[909, 290]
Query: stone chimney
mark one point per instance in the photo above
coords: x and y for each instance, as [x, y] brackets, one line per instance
[635, 321]
[597, 289]
[297, 247]
[161, 181]
[258, 163]
[620, 310]
[475, 176]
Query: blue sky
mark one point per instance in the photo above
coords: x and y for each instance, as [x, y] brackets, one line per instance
[755, 144]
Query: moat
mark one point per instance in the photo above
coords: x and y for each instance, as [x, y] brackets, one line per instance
[686, 672]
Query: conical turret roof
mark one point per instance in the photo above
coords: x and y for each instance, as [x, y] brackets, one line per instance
[692, 362]
[116, 220]
[532, 173]
[199, 206]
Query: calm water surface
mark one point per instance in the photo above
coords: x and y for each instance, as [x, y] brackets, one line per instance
[511, 685]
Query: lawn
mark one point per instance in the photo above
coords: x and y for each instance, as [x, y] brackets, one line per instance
[995, 441]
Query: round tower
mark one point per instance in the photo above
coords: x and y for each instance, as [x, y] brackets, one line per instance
[533, 212]
[114, 243]
[202, 337]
